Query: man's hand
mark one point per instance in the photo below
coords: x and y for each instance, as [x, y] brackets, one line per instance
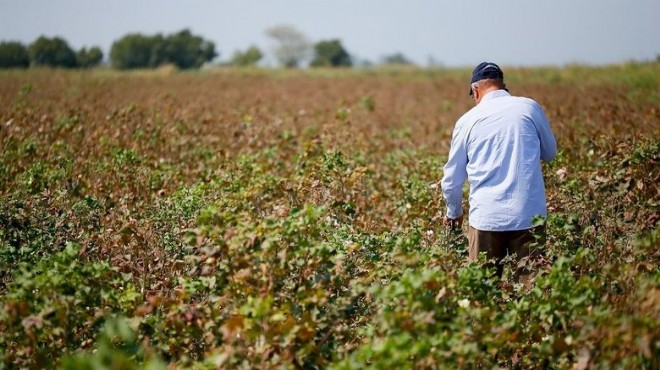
[453, 223]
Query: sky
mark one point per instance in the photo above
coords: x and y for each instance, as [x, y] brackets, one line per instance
[449, 33]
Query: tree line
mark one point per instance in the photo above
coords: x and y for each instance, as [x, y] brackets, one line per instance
[44, 51]
[183, 49]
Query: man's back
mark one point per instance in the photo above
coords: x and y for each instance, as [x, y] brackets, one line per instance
[497, 147]
[505, 138]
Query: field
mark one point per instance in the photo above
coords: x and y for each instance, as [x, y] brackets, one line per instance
[291, 219]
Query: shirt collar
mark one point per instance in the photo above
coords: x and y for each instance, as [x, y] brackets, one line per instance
[495, 94]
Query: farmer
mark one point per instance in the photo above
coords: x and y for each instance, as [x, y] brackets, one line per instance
[497, 146]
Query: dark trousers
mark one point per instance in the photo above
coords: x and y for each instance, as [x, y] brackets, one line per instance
[499, 244]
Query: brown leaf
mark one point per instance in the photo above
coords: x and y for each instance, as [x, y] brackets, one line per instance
[31, 321]
[243, 274]
[144, 310]
[441, 294]
[232, 327]
[583, 360]
[561, 174]
[305, 333]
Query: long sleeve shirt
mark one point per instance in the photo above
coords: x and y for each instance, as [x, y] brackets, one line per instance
[497, 146]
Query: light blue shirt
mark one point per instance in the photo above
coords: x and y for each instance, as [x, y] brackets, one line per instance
[498, 146]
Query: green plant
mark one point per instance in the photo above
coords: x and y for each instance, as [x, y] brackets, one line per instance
[54, 306]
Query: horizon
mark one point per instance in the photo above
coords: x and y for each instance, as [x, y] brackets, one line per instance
[620, 33]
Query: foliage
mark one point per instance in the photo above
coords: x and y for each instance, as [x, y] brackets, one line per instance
[117, 348]
[249, 57]
[52, 52]
[396, 58]
[13, 55]
[330, 53]
[44, 51]
[137, 51]
[293, 47]
[182, 49]
[89, 58]
[185, 50]
[54, 306]
[291, 219]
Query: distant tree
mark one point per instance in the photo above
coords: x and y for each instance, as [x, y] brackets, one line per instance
[54, 52]
[330, 53]
[137, 51]
[13, 55]
[246, 58]
[293, 47]
[182, 49]
[186, 50]
[89, 58]
[158, 49]
[362, 62]
[396, 58]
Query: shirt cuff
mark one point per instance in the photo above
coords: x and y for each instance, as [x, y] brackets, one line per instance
[454, 212]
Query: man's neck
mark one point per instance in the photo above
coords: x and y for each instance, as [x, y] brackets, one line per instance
[487, 91]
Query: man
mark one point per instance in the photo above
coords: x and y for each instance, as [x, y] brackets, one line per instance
[498, 146]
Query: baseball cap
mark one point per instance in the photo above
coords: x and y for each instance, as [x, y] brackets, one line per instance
[484, 71]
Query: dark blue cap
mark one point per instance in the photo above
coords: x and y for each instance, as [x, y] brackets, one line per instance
[485, 70]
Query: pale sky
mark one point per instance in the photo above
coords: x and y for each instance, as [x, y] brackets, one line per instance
[453, 33]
